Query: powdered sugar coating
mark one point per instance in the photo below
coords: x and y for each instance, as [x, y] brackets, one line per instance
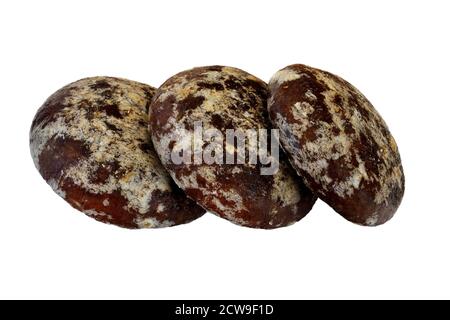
[90, 142]
[338, 142]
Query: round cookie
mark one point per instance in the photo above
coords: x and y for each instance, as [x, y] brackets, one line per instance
[90, 142]
[338, 143]
[222, 98]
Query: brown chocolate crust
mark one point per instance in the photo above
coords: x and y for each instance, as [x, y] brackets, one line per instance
[337, 141]
[225, 98]
[90, 142]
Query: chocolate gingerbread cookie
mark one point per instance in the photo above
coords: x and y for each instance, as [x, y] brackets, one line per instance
[223, 98]
[337, 141]
[90, 142]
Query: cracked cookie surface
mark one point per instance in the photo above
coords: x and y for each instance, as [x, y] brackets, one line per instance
[90, 142]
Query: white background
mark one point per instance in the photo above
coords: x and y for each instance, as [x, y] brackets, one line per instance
[396, 52]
